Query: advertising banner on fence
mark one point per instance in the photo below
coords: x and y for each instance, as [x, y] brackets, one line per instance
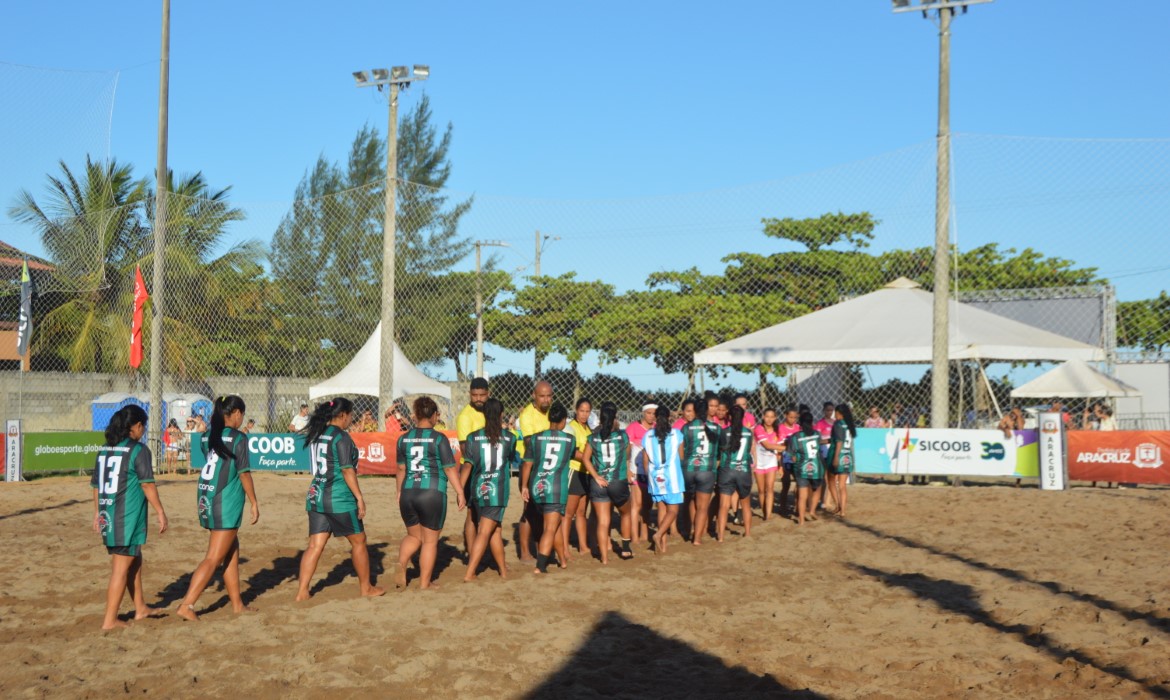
[274, 452]
[1053, 467]
[376, 451]
[61, 452]
[12, 466]
[924, 451]
[1137, 457]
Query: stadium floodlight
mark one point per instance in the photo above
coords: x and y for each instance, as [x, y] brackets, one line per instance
[940, 341]
[479, 302]
[394, 78]
[421, 72]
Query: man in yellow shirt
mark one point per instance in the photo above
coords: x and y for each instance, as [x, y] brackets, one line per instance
[469, 420]
[533, 420]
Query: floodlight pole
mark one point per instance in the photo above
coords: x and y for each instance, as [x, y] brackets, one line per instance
[540, 246]
[479, 303]
[392, 79]
[154, 420]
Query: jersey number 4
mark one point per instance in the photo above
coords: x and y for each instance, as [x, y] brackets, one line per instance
[108, 470]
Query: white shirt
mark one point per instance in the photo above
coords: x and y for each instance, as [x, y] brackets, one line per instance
[299, 423]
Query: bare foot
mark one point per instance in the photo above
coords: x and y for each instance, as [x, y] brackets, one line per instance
[115, 625]
[147, 612]
[697, 543]
[719, 540]
[812, 516]
[470, 577]
[564, 565]
[400, 577]
[244, 609]
[430, 586]
[504, 573]
[527, 560]
[537, 571]
[302, 596]
[187, 612]
[373, 592]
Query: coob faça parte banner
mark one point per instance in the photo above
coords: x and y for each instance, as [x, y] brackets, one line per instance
[1136, 457]
[925, 451]
[274, 452]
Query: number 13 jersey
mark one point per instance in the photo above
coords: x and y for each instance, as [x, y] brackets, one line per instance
[118, 476]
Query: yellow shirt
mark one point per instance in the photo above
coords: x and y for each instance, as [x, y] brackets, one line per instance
[468, 421]
[582, 433]
[531, 422]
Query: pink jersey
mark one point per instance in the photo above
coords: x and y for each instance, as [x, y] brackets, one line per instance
[762, 435]
[678, 424]
[825, 427]
[636, 431]
[749, 420]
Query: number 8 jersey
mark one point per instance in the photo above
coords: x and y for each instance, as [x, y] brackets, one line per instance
[220, 497]
[118, 476]
[331, 454]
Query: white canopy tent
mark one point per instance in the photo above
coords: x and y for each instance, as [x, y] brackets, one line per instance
[361, 375]
[1075, 379]
[893, 326]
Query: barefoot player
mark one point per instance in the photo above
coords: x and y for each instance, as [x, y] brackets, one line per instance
[545, 475]
[489, 452]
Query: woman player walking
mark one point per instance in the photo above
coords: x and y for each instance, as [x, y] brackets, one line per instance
[489, 451]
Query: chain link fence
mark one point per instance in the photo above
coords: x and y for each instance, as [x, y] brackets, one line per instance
[267, 299]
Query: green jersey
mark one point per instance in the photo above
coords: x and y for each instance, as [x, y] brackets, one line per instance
[841, 447]
[219, 495]
[426, 453]
[739, 460]
[490, 467]
[330, 455]
[550, 453]
[807, 452]
[118, 476]
[610, 455]
[700, 446]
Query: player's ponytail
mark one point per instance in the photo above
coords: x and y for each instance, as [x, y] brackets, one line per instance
[607, 415]
[847, 416]
[224, 407]
[323, 415]
[806, 423]
[118, 429]
[736, 412]
[493, 426]
[662, 424]
[700, 409]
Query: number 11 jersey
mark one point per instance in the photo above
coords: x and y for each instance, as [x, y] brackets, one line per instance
[490, 467]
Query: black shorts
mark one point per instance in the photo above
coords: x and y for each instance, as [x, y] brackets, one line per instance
[337, 524]
[579, 483]
[841, 469]
[495, 513]
[617, 492]
[542, 509]
[699, 482]
[803, 483]
[132, 550]
[426, 507]
[731, 481]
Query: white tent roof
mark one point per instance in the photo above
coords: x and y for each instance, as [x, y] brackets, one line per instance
[361, 375]
[1075, 379]
[893, 325]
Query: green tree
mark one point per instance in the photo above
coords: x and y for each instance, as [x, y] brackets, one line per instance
[1144, 324]
[825, 230]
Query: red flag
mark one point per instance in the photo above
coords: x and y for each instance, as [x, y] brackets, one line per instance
[140, 297]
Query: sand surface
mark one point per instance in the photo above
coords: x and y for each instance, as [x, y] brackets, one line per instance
[985, 591]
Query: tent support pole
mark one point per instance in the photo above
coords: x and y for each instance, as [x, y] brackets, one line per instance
[990, 391]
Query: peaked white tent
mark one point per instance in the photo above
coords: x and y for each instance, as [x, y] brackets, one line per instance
[361, 375]
[893, 326]
[1075, 379]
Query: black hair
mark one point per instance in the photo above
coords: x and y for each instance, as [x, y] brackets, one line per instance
[740, 395]
[701, 408]
[803, 407]
[118, 429]
[557, 413]
[688, 402]
[662, 424]
[775, 425]
[425, 408]
[847, 416]
[583, 400]
[224, 407]
[792, 409]
[479, 383]
[323, 415]
[736, 413]
[828, 404]
[806, 423]
[493, 427]
[608, 415]
[172, 423]
[726, 400]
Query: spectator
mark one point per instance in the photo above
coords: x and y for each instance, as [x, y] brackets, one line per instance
[200, 424]
[300, 421]
[173, 441]
[1058, 407]
[248, 426]
[874, 419]
[749, 420]
[1105, 419]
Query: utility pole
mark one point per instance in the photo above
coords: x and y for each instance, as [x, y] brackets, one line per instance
[154, 420]
[479, 303]
[393, 78]
[541, 244]
[940, 345]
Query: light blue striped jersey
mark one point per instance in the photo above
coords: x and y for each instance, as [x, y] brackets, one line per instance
[663, 465]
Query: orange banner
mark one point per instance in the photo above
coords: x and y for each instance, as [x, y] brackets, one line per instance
[1133, 457]
[377, 451]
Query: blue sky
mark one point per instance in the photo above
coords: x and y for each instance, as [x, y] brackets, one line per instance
[594, 120]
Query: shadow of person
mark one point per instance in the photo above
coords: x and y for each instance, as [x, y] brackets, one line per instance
[344, 569]
[624, 659]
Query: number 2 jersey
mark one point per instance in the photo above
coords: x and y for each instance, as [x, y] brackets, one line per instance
[331, 454]
[490, 467]
[426, 453]
[550, 453]
[610, 454]
[219, 494]
[118, 476]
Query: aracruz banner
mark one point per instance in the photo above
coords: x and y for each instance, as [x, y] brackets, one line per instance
[377, 451]
[925, 451]
[1126, 456]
